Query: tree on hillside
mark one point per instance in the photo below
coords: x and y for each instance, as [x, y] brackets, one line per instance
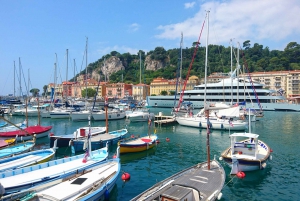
[164, 93]
[90, 92]
[34, 92]
[45, 87]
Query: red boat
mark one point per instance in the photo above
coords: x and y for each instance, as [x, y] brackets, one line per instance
[27, 133]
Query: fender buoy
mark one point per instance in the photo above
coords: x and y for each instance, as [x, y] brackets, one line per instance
[51, 134]
[125, 176]
[168, 139]
[157, 141]
[114, 156]
[84, 160]
[241, 175]
[106, 194]
[240, 152]
[271, 150]
[132, 136]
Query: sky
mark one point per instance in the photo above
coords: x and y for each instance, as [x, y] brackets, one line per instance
[35, 34]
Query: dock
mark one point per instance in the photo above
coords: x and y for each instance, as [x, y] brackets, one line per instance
[163, 119]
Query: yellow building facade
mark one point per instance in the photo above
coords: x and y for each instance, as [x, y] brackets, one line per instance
[158, 85]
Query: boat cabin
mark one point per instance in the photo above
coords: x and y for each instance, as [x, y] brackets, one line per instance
[244, 147]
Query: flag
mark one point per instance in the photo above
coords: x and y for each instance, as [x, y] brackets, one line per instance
[280, 91]
[209, 125]
[149, 122]
[86, 155]
[106, 101]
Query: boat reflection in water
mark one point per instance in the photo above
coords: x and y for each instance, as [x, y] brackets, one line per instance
[136, 156]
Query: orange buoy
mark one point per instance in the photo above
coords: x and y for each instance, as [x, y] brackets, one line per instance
[168, 139]
[240, 175]
[125, 176]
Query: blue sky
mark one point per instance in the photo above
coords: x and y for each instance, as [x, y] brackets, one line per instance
[35, 31]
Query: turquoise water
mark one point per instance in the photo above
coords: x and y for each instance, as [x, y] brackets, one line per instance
[187, 146]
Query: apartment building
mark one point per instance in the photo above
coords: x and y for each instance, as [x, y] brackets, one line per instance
[140, 91]
[284, 82]
[160, 84]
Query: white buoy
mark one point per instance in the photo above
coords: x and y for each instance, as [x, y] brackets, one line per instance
[220, 196]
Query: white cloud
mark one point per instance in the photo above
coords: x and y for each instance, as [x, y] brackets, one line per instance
[134, 27]
[256, 20]
[189, 5]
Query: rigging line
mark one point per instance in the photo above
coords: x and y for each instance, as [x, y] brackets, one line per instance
[191, 64]
[253, 88]
[22, 72]
[177, 75]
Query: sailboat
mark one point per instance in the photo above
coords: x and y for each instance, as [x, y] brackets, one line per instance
[203, 181]
[201, 120]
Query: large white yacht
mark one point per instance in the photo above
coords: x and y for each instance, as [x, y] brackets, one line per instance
[253, 93]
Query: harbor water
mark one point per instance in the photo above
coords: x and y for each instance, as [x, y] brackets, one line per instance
[187, 146]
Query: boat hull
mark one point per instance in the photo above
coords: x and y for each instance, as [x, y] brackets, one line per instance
[110, 116]
[16, 149]
[98, 141]
[199, 122]
[26, 159]
[247, 165]
[32, 176]
[198, 103]
[137, 147]
[64, 140]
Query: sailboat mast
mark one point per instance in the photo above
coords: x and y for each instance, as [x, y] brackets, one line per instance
[20, 82]
[207, 111]
[86, 68]
[140, 67]
[66, 87]
[28, 84]
[140, 76]
[180, 72]
[237, 72]
[231, 78]
[206, 62]
[14, 79]
[74, 81]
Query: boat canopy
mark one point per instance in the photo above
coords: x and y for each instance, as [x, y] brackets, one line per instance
[249, 135]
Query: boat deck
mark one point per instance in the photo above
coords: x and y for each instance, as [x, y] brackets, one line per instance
[20, 162]
[163, 120]
[141, 140]
[75, 188]
[208, 183]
